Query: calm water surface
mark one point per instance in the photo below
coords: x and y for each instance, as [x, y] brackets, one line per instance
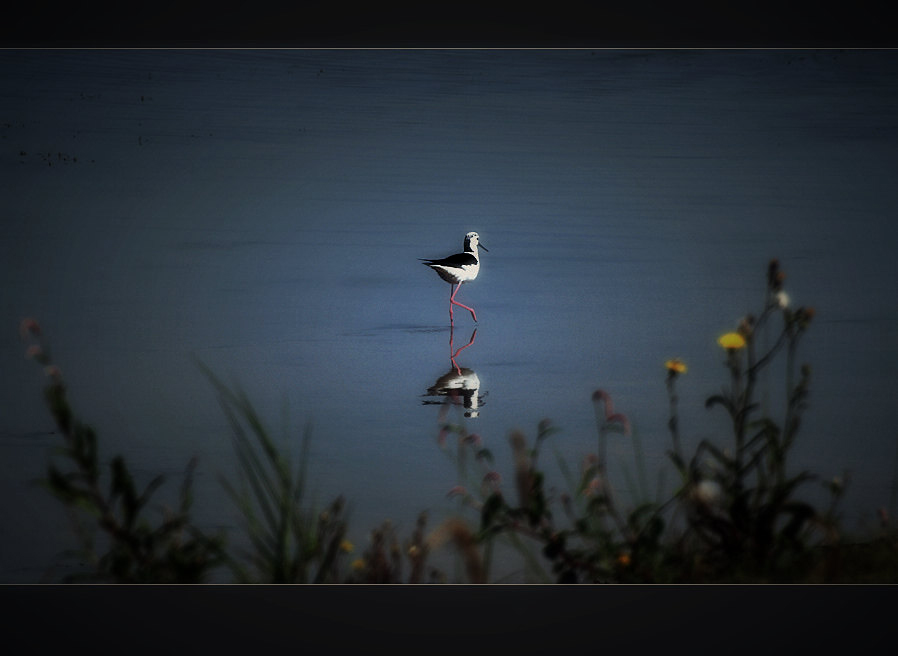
[263, 211]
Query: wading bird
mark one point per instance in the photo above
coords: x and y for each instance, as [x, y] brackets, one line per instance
[459, 268]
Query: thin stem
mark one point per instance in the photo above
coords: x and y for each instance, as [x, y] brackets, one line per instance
[673, 423]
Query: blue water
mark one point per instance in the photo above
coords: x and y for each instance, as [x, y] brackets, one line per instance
[263, 212]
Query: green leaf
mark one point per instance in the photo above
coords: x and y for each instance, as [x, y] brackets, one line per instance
[718, 455]
[491, 508]
[123, 485]
[59, 407]
[485, 455]
[61, 485]
[554, 546]
[677, 461]
[719, 399]
[151, 487]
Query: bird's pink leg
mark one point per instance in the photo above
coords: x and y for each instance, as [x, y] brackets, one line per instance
[451, 354]
[451, 296]
[460, 349]
[452, 302]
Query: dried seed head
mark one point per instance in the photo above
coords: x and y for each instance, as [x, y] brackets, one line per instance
[29, 327]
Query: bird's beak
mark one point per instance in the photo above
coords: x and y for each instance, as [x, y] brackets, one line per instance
[484, 248]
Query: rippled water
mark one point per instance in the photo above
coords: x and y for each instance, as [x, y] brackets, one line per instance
[263, 212]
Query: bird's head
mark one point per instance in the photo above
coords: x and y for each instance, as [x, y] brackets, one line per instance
[472, 240]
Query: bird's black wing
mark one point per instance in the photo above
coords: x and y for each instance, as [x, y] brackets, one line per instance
[457, 260]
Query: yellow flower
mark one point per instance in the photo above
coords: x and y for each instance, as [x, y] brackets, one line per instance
[676, 365]
[731, 341]
[346, 546]
[358, 564]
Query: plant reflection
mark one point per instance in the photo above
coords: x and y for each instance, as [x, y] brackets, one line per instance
[458, 386]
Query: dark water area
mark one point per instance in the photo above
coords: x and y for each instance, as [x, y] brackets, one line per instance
[263, 212]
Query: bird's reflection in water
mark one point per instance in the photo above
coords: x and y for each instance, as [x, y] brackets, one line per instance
[458, 386]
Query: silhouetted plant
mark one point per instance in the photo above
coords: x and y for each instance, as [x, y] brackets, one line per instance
[743, 516]
[741, 504]
[736, 515]
[172, 551]
[597, 541]
[382, 561]
[291, 543]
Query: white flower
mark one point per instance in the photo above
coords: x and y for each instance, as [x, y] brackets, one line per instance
[782, 299]
[707, 492]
